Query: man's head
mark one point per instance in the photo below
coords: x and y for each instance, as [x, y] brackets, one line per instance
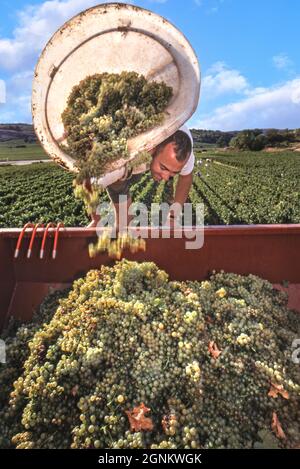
[170, 156]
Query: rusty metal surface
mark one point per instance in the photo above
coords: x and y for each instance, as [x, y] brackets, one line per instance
[7, 278]
[293, 291]
[112, 38]
[210, 230]
[27, 296]
[269, 251]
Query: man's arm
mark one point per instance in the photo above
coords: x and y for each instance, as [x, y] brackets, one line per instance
[183, 187]
[182, 190]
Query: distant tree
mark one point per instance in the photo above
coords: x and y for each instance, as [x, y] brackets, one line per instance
[274, 136]
[243, 140]
[248, 140]
[297, 134]
[256, 132]
[210, 136]
[288, 135]
[259, 142]
[223, 141]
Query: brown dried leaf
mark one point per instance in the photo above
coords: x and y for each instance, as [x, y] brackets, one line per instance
[276, 427]
[137, 418]
[278, 389]
[213, 350]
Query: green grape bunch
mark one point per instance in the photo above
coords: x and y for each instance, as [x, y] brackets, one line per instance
[103, 111]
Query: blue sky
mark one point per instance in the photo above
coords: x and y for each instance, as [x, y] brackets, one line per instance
[248, 52]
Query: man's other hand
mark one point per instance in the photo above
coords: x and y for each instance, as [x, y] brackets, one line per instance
[94, 222]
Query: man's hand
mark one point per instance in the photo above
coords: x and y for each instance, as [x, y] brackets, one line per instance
[183, 186]
[95, 220]
[92, 224]
[170, 222]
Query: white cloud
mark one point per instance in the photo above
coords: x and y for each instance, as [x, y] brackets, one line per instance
[20, 81]
[277, 107]
[18, 98]
[221, 80]
[2, 92]
[23, 103]
[282, 61]
[255, 91]
[295, 96]
[36, 24]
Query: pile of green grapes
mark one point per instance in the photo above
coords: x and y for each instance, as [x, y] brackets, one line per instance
[127, 358]
[105, 110]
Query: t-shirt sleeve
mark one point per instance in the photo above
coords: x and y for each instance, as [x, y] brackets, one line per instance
[189, 165]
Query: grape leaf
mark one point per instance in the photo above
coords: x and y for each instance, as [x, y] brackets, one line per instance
[137, 418]
[278, 389]
[276, 427]
[213, 350]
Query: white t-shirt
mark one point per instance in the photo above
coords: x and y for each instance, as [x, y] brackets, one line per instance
[189, 165]
[120, 174]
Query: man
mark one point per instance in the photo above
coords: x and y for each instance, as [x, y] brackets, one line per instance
[173, 156]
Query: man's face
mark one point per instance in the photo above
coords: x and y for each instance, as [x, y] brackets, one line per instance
[165, 165]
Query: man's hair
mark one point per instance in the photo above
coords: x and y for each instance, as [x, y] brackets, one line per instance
[182, 144]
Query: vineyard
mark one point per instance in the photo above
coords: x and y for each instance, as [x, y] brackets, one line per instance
[236, 188]
[40, 192]
[249, 188]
